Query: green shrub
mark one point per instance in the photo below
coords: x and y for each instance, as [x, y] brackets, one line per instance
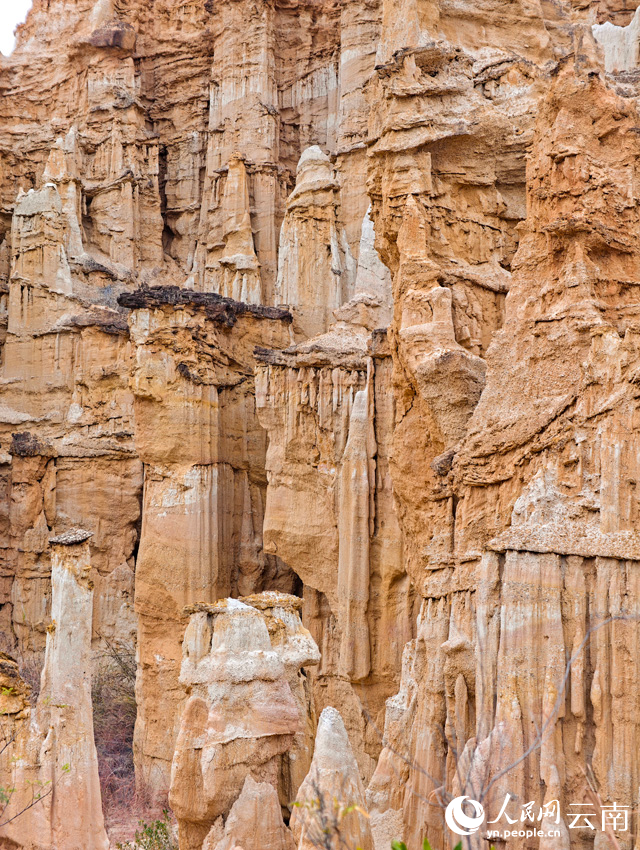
[152, 836]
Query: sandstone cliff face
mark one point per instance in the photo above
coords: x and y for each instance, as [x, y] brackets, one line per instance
[494, 453]
[144, 170]
[331, 307]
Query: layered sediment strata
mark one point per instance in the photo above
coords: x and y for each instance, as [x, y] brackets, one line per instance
[566, 542]
[168, 101]
[150, 161]
[66, 423]
[535, 544]
[448, 133]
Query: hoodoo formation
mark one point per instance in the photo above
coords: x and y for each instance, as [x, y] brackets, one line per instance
[319, 425]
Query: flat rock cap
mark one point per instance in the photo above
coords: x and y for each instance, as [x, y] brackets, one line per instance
[75, 535]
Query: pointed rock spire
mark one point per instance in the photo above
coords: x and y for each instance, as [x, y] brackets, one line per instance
[60, 752]
[332, 796]
[255, 820]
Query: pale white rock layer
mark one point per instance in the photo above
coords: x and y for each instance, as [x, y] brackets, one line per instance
[621, 45]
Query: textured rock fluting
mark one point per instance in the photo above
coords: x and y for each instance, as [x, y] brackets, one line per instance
[204, 484]
[533, 525]
[322, 318]
[329, 511]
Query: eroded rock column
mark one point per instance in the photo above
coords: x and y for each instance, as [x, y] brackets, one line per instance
[59, 759]
[316, 271]
[298, 652]
[203, 449]
[539, 548]
[240, 717]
